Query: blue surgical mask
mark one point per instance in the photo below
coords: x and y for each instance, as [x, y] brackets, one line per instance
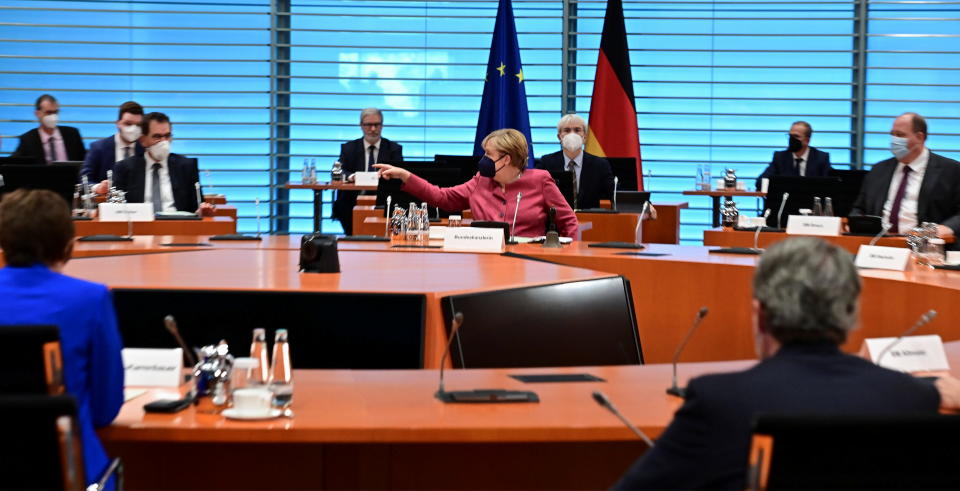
[487, 167]
[899, 148]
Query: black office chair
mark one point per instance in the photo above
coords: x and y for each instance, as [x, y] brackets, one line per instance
[42, 447]
[854, 452]
[31, 362]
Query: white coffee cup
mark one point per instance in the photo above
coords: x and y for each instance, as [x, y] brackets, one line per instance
[252, 400]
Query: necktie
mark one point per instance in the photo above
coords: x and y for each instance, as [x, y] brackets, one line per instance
[572, 167]
[796, 164]
[127, 151]
[155, 189]
[897, 200]
[371, 160]
[51, 151]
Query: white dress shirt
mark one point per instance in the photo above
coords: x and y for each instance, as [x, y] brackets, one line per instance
[802, 168]
[166, 188]
[908, 206]
[119, 148]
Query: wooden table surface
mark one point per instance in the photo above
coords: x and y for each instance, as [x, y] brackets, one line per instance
[206, 226]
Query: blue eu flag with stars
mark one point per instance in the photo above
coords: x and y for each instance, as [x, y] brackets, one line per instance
[504, 103]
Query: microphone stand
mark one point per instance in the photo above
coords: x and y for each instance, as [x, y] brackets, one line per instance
[514, 225]
[924, 319]
[638, 232]
[616, 184]
[602, 400]
[756, 235]
[783, 204]
[886, 228]
[674, 389]
[386, 229]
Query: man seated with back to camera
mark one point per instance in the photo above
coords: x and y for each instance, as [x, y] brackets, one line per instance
[914, 186]
[799, 159]
[359, 156]
[157, 176]
[806, 300]
[36, 235]
[593, 177]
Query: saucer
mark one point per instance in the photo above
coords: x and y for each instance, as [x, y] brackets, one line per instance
[233, 413]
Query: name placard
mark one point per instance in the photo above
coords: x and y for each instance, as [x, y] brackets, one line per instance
[878, 257]
[123, 212]
[811, 225]
[366, 179]
[437, 231]
[750, 222]
[911, 354]
[473, 239]
[152, 367]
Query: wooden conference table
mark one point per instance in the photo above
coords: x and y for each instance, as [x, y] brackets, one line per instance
[384, 429]
[205, 226]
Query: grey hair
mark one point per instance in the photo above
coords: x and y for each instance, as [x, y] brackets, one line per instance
[370, 111]
[572, 118]
[808, 289]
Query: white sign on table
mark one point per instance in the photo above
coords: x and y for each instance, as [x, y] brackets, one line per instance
[880, 257]
[910, 354]
[147, 367]
[473, 239]
[814, 225]
[366, 179]
[125, 212]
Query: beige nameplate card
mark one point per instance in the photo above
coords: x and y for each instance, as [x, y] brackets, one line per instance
[750, 222]
[366, 179]
[126, 212]
[473, 239]
[879, 257]
[810, 225]
[152, 367]
[910, 354]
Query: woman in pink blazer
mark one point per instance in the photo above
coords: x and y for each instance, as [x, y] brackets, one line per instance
[492, 193]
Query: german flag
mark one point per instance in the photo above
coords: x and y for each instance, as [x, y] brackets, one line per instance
[613, 113]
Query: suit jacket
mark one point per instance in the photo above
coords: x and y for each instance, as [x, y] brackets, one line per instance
[353, 158]
[707, 444]
[939, 199]
[596, 177]
[130, 175]
[32, 146]
[101, 158]
[818, 165]
[487, 201]
[89, 339]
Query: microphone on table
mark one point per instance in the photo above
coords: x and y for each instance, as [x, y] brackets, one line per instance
[602, 400]
[886, 228]
[638, 232]
[756, 235]
[256, 206]
[616, 184]
[783, 204]
[386, 230]
[171, 324]
[514, 225]
[924, 319]
[676, 390]
[479, 395]
[196, 185]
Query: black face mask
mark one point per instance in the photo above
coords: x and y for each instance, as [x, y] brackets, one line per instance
[794, 144]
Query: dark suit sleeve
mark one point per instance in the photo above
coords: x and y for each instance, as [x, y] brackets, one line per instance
[396, 152]
[91, 163]
[767, 173]
[29, 147]
[73, 143]
[348, 161]
[121, 175]
[678, 454]
[953, 222]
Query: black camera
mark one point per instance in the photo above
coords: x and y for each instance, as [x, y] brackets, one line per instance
[318, 254]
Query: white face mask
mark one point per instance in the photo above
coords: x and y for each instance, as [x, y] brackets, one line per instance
[898, 146]
[50, 121]
[572, 142]
[130, 133]
[160, 150]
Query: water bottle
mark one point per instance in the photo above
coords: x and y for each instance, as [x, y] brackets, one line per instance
[398, 224]
[424, 222]
[313, 171]
[817, 207]
[413, 223]
[305, 172]
[707, 178]
[258, 351]
[281, 378]
[828, 207]
[699, 183]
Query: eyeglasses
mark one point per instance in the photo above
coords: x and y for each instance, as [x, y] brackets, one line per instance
[371, 125]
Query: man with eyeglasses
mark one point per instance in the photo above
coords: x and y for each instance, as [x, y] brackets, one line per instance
[157, 176]
[359, 156]
[50, 142]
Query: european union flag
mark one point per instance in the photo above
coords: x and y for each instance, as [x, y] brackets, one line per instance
[504, 103]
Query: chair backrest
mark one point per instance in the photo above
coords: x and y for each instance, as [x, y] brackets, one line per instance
[41, 443]
[31, 361]
[854, 452]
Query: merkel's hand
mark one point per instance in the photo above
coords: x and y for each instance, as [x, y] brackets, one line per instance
[387, 171]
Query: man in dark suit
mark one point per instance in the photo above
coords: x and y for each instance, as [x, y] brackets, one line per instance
[359, 156]
[805, 302]
[914, 186]
[123, 144]
[799, 159]
[593, 176]
[158, 176]
[50, 142]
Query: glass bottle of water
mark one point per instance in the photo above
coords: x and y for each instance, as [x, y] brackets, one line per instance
[699, 182]
[281, 378]
[828, 207]
[424, 222]
[258, 351]
[313, 171]
[707, 178]
[305, 172]
[817, 207]
[398, 224]
[413, 223]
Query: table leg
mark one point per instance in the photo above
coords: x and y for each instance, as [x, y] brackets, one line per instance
[317, 211]
[716, 211]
